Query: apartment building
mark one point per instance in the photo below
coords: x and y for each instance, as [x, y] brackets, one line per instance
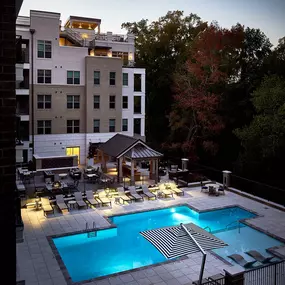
[75, 86]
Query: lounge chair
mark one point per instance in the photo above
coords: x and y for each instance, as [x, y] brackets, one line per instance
[123, 195]
[104, 200]
[46, 206]
[79, 200]
[241, 261]
[131, 192]
[61, 203]
[147, 193]
[258, 256]
[165, 192]
[90, 199]
[174, 188]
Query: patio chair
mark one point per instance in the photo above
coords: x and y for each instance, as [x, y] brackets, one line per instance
[165, 192]
[241, 261]
[173, 187]
[79, 200]
[221, 189]
[258, 256]
[90, 199]
[61, 203]
[104, 200]
[123, 195]
[133, 193]
[46, 206]
[147, 193]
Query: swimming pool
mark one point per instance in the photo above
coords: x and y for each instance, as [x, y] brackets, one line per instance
[123, 248]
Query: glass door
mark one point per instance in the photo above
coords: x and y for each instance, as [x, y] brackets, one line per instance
[73, 150]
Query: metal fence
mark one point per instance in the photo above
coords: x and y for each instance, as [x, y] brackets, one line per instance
[272, 274]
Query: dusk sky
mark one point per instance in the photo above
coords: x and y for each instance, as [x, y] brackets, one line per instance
[266, 15]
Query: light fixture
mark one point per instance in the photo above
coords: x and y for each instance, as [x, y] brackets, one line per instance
[84, 36]
[80, 27]
[109, 54]
[92, 52]
[89, 27]
[130, 56]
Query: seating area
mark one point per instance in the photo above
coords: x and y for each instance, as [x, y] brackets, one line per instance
[212, 188]
[257, 256]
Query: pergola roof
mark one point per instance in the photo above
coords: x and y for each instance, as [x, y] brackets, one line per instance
[120, 145]
[140, 151]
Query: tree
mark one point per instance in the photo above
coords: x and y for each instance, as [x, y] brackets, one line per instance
[263, 140]
[161, 47]
[199, 84]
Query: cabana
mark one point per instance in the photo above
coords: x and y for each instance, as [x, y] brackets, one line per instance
[122, 148]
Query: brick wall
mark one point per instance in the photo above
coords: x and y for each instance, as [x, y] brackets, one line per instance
[7, 138]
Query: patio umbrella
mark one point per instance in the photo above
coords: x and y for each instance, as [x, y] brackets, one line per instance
[182, 240]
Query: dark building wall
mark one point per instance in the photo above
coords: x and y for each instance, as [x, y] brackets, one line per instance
[7, 137]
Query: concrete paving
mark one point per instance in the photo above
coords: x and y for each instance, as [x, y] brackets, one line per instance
[38, 266]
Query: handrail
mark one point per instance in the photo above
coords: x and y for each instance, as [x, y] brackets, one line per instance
[207, 228]
[238, 223]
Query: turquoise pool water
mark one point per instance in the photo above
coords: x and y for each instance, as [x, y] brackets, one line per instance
[123, 248]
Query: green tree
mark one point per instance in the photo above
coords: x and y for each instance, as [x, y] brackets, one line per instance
[263, 140]
[160, 47]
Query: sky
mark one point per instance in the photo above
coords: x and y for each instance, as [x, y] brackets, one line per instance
[267, 15]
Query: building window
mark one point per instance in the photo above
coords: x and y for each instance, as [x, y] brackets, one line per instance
[112, 78]
[125, 125]
[73, 77]
[125, 102]
[44, 76]
[137, 82]
[96, 101]
[44, 49]
[125, 79]
[44, 127]
[73, 126]
[73, 101]
[137, 126]
[96, 77]
[44, 101]
[112, 102]
[96, 126]
[137, 105]
[112, 125]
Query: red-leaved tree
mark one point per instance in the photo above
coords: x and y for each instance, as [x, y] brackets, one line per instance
[199, 85]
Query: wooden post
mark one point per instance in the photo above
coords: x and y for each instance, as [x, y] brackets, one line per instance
[120, 169]
[132, 172]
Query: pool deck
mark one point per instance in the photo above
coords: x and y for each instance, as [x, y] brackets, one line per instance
[37, 264]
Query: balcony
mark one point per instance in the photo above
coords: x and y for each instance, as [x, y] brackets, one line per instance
[109, 37]
[22, 87]
[19, 72]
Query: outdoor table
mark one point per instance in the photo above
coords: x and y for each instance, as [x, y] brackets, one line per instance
[50, 187]
[71, 204]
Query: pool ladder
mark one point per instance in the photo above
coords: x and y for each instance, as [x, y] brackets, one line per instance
[208, 228]
[91, 233]
[238, 223]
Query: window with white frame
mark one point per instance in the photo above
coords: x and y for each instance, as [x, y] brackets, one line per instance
[44, 101]
[96, 101]
[44, 76]
[112, 78]
[112, 125]
[112, 102]
[73, 126]
[44, 49]
[96, 77]
[125, 79]
[125, 125]
[44, 127]
[125, 102]
[73, 77]
[96, 126]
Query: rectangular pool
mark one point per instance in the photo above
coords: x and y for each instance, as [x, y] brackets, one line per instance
[123, 248]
